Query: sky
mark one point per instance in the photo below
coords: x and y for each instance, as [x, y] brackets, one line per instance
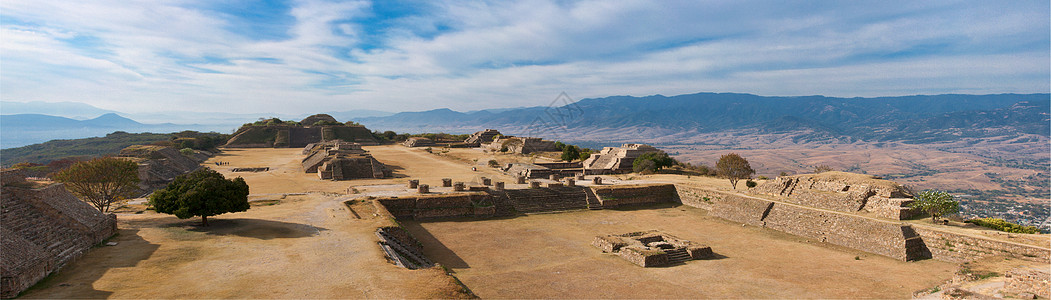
[313, 55]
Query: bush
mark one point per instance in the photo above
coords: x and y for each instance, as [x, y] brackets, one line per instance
[763, 177]
[652, 162]
[186, 151]
[750, 183]
[645, 166]
[822, 169]
[493, 163]
[1002, 225]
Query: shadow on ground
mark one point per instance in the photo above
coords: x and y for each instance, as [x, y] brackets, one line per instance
[76, 279]
[252, 228]
[434, 248]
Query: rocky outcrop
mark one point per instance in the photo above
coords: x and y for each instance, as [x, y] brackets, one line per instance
[842, 191]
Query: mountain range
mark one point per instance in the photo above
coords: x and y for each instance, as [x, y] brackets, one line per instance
[911, 119]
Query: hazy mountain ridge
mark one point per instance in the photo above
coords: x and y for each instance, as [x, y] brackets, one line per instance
[906, 118]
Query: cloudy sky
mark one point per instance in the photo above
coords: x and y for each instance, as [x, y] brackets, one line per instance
[312, 55]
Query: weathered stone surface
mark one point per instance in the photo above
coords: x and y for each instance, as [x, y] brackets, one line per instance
[482, 137]
[842, 191]
[158, 165]
[43, 229]
[1023, 281]
[636, 194]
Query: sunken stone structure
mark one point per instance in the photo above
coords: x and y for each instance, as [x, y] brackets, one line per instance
[42, 229]
[612, 160]
[342, 161]
[418, 142]
[652, 248]
[842, 191]
[481, 137]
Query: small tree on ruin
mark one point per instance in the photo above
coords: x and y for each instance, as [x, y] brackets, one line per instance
[570, 152]
[202, 193]
[101, 181]
[935, 203]
[734, 167]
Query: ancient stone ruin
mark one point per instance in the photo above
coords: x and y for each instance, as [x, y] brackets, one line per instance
[418, 142]
[521, 145]
[42, 229]
[342, 161]
[614, 160]
[481, 137]
[842, 191]
[543, 170]
[295, 135]
[159, 165]
[652, 248]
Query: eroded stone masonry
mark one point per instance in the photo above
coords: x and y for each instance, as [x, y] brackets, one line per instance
[42, 229]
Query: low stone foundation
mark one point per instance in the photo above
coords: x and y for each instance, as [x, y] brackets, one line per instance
[651, 248]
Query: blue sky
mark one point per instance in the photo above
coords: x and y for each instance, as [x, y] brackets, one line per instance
[309, 56]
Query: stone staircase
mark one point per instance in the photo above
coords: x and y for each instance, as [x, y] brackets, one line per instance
[593, 202]
[677, 256]
[403, 255]
[548, 199]
[502, 203]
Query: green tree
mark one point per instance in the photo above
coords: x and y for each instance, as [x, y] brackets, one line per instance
[734, 167]
[584, 154]
[659, 160]
[935, 203]
[570, 152]
[202, 193]
[101, 181]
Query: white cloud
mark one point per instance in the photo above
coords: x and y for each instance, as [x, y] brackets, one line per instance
[171, 55]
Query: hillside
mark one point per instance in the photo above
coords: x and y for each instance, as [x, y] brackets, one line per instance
[18, 130]
[914, 119]
[110, 144]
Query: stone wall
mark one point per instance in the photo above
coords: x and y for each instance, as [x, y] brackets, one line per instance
[545, 199]
[158, 165]
[842, 191]
[888, 238]
[438, 206]
[43, 229]
[638, 194]
[1025, 280]
[697, 197]
[869, 235]
[955, 247]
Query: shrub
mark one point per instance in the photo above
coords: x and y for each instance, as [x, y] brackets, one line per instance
[750, 183]
[1002, 225]
[186, 151]
[935, 203]
[493, 163]
[763, 177]
[822, 169]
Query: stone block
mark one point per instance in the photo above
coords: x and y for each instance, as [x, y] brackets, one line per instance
[413, 183]
[499, 185]
[447, 182]
[487, 181]
[571, 182]
[534, 184]
[423, 189]
[596, 180]
[520, 179]
[459, 186]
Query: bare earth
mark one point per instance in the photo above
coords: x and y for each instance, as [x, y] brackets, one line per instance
[300, 241]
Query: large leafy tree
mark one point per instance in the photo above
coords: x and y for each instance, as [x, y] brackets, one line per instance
[734, 167]
[202, 193]
[101, 181]
[570, 152]
[935, 203]
[651, 162]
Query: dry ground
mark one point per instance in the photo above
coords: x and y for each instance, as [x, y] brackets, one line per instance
[300, 241]
[550, 256]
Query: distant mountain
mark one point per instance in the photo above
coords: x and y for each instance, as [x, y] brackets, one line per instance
[25, 129]
[74, 110]
[906, 118]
